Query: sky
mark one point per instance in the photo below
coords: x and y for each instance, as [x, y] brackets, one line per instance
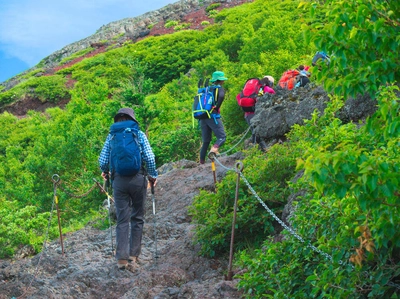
[31, 30]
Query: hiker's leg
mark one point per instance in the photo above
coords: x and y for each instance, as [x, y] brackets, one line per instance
[248, 117]
[121, 201]
[137, 191]
[206, 138]
[219, 132]
[203, 152]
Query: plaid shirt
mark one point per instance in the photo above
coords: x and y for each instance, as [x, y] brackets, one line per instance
[145, 150]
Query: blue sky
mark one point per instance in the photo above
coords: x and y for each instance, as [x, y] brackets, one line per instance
[31, 30]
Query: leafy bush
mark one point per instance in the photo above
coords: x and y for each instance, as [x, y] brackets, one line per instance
[48, 88]
[212, 13]
[349, 214]
[212, 6]
[367, 55]
[171, 23]
[22, 226]
[76, 55]
[213, 212]
[182, 26]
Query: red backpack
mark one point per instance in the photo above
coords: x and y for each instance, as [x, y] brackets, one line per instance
[247, 98]
[289, 79]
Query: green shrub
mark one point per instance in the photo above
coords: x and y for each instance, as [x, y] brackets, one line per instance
[212, 6]
[22, 226]
[182, 26]
[48, 88]
[170, 24]
[76, 55]
[212, 13]
[213, 212]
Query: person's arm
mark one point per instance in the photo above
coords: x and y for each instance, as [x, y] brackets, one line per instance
[104, 157]
[220, 92]
[268, 89]
[148, 157]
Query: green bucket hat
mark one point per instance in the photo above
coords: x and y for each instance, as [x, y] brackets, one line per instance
[218, 76]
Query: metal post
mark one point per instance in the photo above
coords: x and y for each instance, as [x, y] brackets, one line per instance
[109, 200]
[212, 156]
[239, 168]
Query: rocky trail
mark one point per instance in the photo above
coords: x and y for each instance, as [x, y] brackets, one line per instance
[88, 270]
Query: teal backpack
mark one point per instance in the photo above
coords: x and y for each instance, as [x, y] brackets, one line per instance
[204, 101]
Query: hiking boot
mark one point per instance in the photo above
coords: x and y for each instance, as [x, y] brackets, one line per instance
[214, 150]
[263, 146]
[133, 259]
[122, 264]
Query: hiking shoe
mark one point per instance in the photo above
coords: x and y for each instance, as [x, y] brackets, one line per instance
[122, 264]
[133, 259]
[214, 150]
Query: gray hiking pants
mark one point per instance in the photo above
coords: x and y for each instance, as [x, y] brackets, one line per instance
[209, 126]
[129, 197]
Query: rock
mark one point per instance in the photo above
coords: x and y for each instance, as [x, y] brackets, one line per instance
[277, 113]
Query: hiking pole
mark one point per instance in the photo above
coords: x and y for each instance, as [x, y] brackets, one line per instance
[107, 183]
[105, 190]
[239, 168]
[56, 179]
[153, 199]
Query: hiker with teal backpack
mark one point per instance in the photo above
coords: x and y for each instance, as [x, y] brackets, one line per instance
[129, 159]
[206, 109]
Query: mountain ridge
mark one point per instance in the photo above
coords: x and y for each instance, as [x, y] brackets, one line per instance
[130, 29]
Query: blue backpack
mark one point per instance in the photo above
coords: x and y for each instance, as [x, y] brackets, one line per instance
[204, 100]
[125, 157]
[320, 55]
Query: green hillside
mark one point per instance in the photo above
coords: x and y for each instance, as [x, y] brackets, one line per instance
[350, 210]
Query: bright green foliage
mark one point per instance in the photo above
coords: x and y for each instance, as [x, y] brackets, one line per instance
[76, 55]
[45, 88]
[171, 23]
[350, 170]
[363, 37]
[350, 212]
[22, 226]
[158, 78]
[212, 6]
[213, 212]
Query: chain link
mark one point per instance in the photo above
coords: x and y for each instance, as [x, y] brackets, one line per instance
[289, 229]
[45, 239]
[74, 195]
[241, 139]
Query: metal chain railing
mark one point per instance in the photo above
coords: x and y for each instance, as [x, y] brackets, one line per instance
[234, 146]
[74, 195]
[289, 229]
[56, 183]
[44, 241]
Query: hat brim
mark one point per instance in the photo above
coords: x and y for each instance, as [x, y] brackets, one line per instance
[219, 79]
